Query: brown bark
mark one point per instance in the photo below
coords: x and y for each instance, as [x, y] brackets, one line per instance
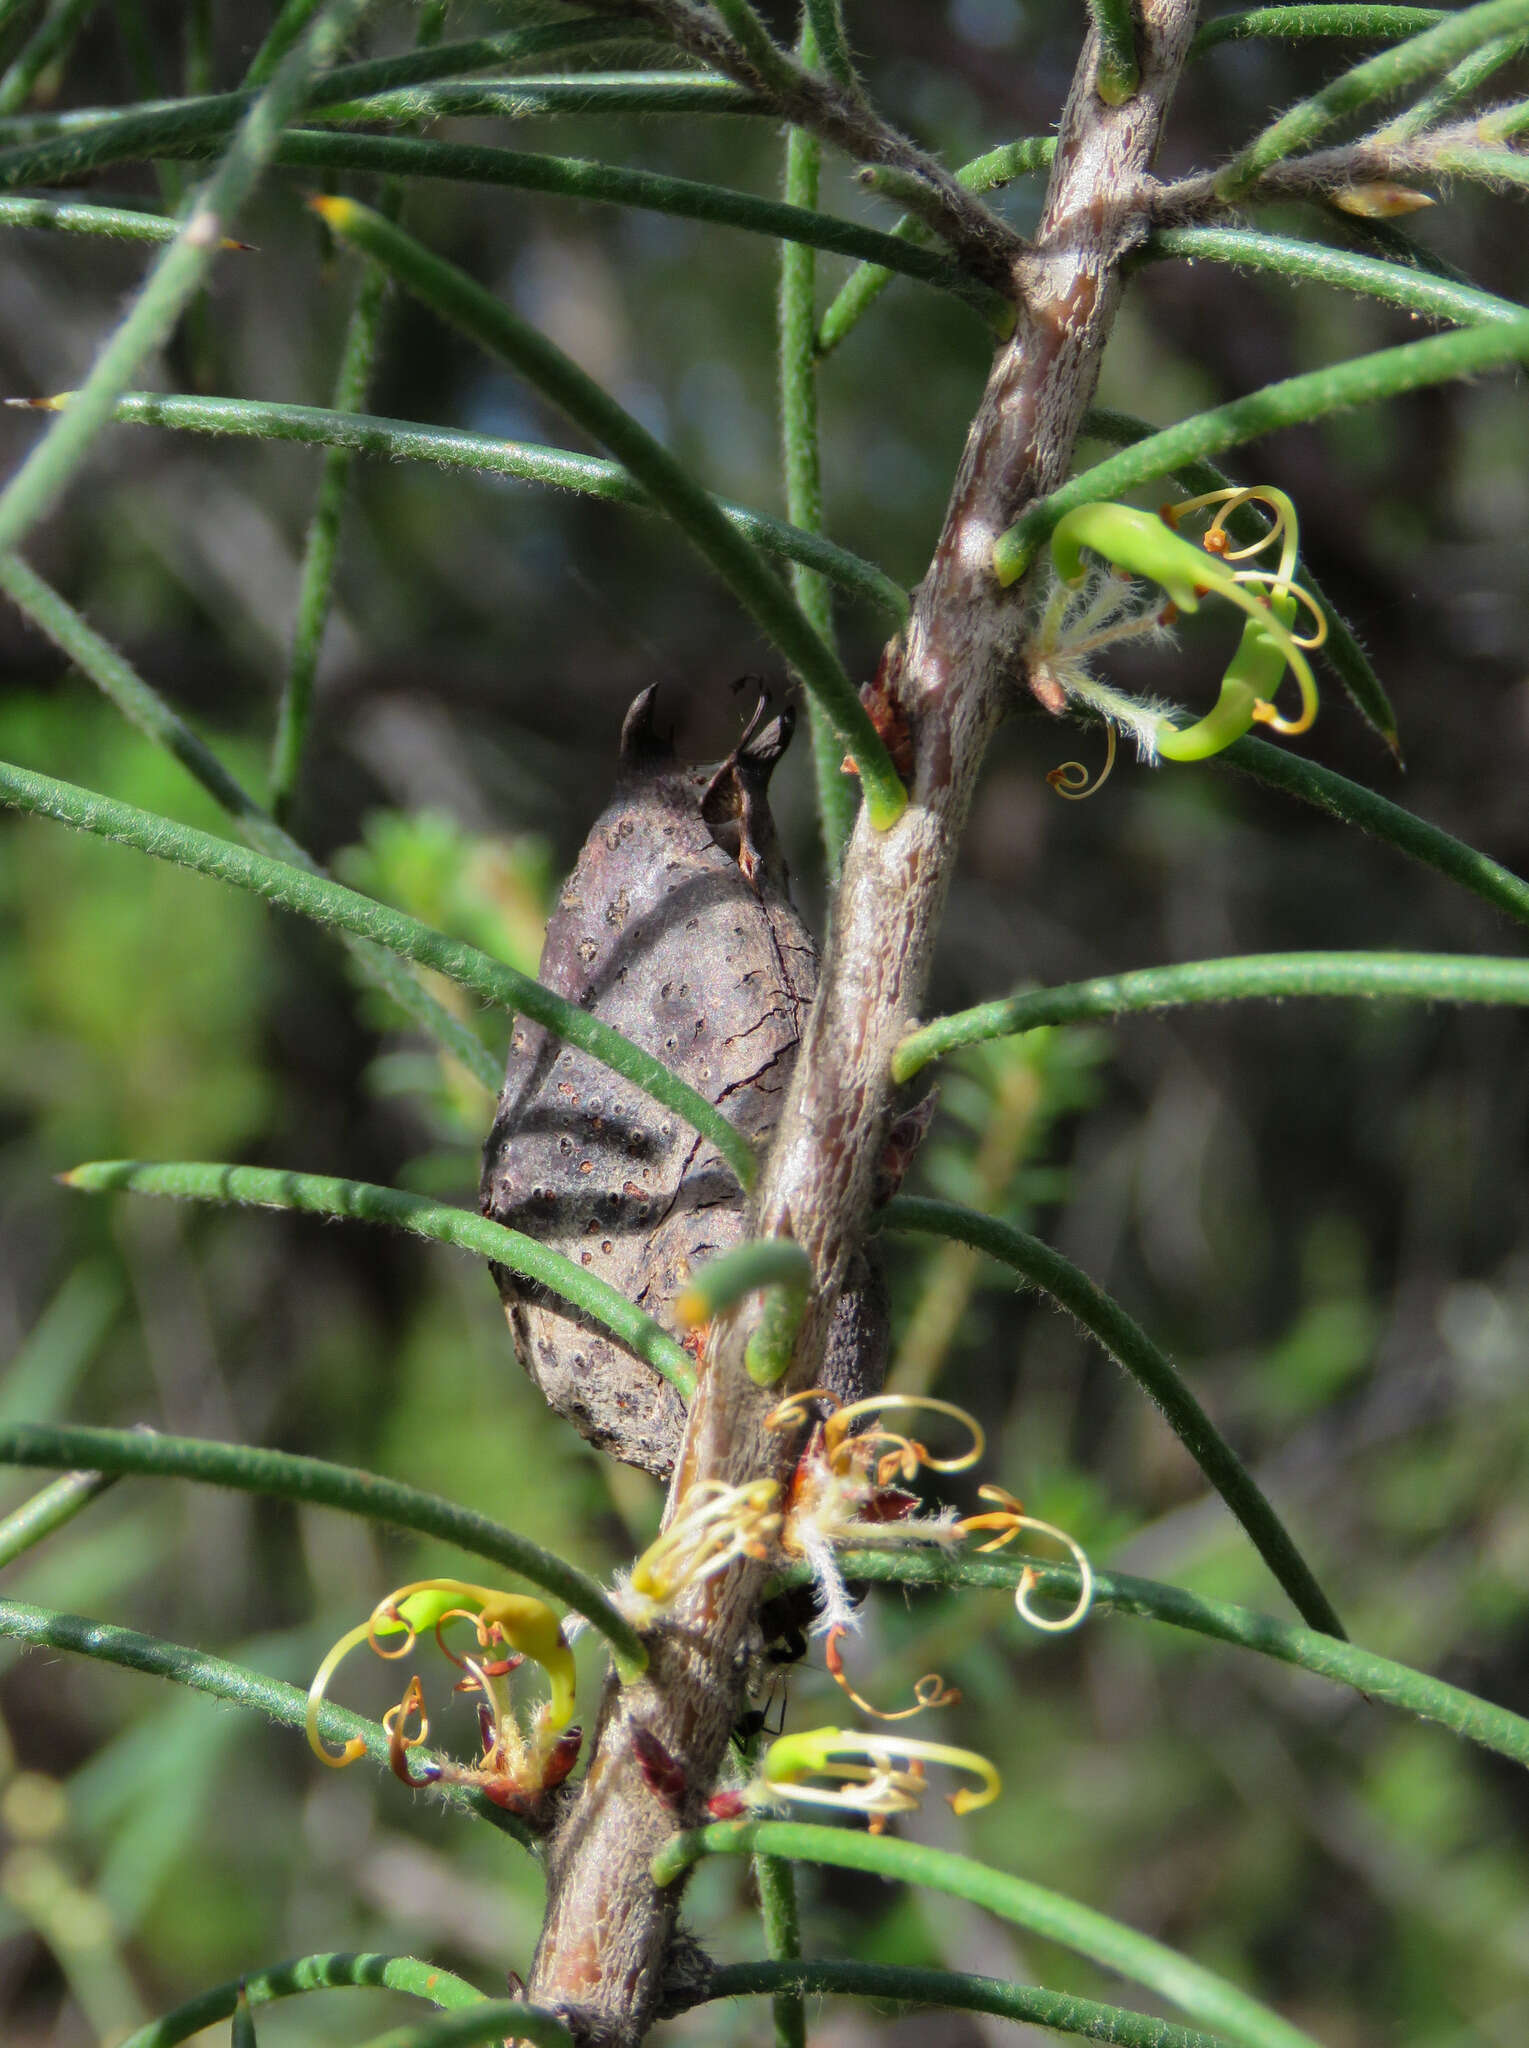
[607, 1931]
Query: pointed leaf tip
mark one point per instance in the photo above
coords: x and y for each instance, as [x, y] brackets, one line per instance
[334, 210]
[242, 2034]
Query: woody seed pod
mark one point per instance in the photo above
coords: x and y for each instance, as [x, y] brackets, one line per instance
[676, 927]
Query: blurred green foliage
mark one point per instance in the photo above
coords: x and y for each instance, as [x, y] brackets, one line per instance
[132, 1027]
[1321, 1211]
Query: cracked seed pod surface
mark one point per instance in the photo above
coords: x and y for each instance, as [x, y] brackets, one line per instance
[677, 929]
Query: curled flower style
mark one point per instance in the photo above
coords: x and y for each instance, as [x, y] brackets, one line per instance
[929, 1691]
[1071, 779]
[1010, 1519]
[872, 1773]
[509, 1628]
[396, 1722]
[716, 1525]
[1259, 664]
[849, 1450]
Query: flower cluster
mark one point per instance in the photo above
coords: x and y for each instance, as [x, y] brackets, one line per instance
[848, 1491]
[874, 1774]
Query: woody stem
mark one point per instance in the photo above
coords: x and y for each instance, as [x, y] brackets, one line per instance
[605, 1939]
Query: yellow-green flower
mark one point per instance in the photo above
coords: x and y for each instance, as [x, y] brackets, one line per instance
[875, 1774]
[508, 1627]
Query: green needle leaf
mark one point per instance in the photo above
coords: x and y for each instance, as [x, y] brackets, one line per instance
[362, 1202]
[1118, 74]
[1382, 77]
[139, 702]
[454, 295]
[774, 1264]
[310, 149]
[174, 279]
[48, 42]
[1378, 1678]
[1351, 802]
[775, 1881]
[1197, 1991]
[51, 1509]
[1493, 166]
[307, 1973]
[1413, 977]
[1363, 380]
[44, 1628]
[1154, 1372]
[531, 461]
[329, 903]
[796, 354]
[282, 1475]
[1296, 24]
[527, 98]
[1416, 291]
[72, 217]
[321, 549]
[763, 1262]
[825, 20]
[506, 2019]
[1060, 2010]
[1462, 82]
[90, 140]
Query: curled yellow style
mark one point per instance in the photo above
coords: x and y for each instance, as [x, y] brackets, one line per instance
[1010, 1519]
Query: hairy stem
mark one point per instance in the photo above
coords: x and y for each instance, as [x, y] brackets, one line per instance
[835, 110]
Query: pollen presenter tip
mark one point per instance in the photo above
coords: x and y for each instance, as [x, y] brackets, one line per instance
[336, 212]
